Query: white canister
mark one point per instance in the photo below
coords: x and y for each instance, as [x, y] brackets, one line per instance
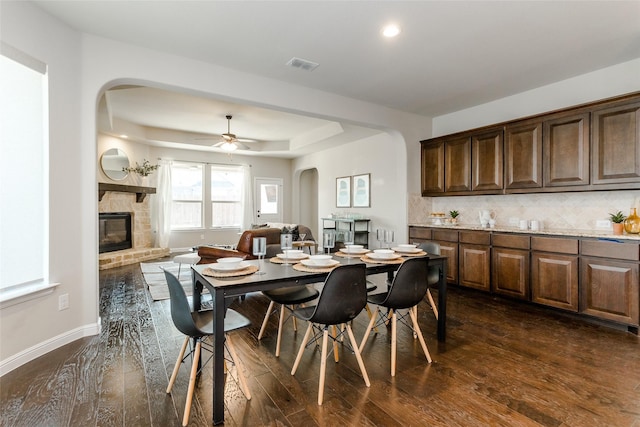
[524, 224]
[535, 225]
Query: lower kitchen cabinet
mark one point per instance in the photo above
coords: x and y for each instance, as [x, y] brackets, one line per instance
[510, 265]
[554, 272]
[448, 240]
[475, 260]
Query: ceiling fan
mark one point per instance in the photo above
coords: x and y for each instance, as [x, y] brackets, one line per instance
[230, 142]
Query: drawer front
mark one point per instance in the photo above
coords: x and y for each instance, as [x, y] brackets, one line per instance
[475, 237]
[419, 233]
[554, 244]
[445, 235]
[511, 241]
[626, 251]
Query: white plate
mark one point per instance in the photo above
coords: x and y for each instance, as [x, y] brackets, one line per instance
[216, 266]
[292, 256]
[354, 251]
[408, 250]
[384, 257]
[312, 264]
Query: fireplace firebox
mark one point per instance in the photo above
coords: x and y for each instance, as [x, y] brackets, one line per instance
[115, 231]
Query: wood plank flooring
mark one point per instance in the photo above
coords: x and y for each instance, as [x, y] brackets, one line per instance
[504, 364]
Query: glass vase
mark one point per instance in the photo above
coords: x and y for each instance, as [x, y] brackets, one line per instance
[632, 223]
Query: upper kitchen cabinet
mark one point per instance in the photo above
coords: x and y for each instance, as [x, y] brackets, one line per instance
[523, 155]
[432, 167]
[487, 161]
[616, 144]
[457, 158]
[589, 147]
[465, 163]
[566, 150]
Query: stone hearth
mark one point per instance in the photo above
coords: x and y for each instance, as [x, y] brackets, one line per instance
[142, 249]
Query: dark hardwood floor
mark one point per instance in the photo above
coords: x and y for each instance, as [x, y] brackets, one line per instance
[504, 364]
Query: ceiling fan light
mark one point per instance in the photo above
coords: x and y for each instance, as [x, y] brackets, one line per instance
[228, 146]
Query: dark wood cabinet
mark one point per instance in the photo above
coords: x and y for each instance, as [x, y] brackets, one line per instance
[419, 234]
[566, 150]
[448, 240]
[523, 155]
[457, 172]
[554, 272]
[475, 260]
[510, 265]
[616, 144]
[609, 286]
[487, 170]
[594, 146]
[432, 167]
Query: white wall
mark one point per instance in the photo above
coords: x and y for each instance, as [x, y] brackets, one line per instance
[385, 160]
[35, 327]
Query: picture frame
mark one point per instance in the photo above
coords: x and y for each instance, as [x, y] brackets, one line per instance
[343, 192]
[361, 190]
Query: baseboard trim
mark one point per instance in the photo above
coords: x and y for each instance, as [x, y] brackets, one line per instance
[10, 363]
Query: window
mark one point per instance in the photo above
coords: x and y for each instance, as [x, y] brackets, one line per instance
[226, 196]
[187, 196]
[24, 158]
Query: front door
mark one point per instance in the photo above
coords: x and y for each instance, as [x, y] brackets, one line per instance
[268, 203]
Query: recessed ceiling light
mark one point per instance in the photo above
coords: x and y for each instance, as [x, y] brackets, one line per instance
[124, 136]
[391, 30]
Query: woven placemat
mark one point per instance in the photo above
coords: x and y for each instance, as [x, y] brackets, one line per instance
[302, 267]
[346, 255]
[277, 260]
[244, 272]
[381, 261]
[421, 253]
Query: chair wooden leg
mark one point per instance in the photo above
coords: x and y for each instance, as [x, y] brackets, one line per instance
[295, 320]
[368, 331]
[266, 320]
[280, 324]
[176, 368]
[323, 365]
[416, 327]
[356, 351]
[192, 384]
[394, 324]
[302, 346]
[334, 333]
[239, 368]
[433, 304]
[366, 307]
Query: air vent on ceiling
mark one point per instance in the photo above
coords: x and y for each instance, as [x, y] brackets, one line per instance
[303, 64]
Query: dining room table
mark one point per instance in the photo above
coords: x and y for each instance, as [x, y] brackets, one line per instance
[276, 275]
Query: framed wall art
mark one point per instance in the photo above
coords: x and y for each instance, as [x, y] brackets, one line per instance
[361, 191]
[343, 192]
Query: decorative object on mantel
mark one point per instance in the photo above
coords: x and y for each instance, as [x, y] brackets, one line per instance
[632, 223]
[145, 169]
[617, 220]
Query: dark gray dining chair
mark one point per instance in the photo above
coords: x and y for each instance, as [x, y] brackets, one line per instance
[198, 325]
[343, 297]
[406, 291]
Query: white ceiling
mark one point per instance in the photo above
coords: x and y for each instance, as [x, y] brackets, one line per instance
[449, 56]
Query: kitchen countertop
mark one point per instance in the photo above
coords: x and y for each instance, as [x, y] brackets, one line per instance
[598, 234]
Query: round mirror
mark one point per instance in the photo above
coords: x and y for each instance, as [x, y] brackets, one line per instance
[112, 162]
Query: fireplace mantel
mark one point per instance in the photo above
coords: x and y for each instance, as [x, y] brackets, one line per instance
[141, 192]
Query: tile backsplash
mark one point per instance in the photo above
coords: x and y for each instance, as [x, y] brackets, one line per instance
[558, 211]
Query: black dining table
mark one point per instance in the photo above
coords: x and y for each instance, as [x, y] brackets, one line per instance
[276, 276]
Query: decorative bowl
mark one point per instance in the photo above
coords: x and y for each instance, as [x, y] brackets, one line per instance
[321, 259]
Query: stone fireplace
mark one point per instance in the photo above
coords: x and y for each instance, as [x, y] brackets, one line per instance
[129, 199]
